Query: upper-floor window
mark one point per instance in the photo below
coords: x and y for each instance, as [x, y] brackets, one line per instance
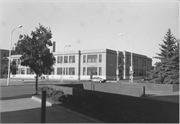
[65, 59]
[143, 62]
[120, 60]
[84, 58]
[100, 58]
[59, 59]
[127, 61]
[91, 58]
[71, 59]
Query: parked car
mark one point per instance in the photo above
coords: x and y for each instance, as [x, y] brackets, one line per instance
[98, 80]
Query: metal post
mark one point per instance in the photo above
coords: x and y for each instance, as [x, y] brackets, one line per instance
[131, 68]
[43, 107]
[117, 70]
[131, 61]
[10, 54]
[62, 66]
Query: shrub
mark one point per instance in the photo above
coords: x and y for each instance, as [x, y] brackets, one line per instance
[52, 93]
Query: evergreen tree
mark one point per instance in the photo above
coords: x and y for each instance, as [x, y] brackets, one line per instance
[167, 70]
[35, 52]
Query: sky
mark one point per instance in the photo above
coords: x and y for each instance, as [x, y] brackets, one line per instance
[88, 24]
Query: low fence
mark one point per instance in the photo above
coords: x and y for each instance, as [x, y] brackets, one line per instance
[152, 86]
[116, 88]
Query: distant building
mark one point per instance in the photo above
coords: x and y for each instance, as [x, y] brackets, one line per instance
[78, 65]
[5, 53]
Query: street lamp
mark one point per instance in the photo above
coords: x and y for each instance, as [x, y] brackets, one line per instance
[20, 26]
[63, 62]
[131, 67]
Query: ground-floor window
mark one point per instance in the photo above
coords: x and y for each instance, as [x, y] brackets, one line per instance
[71, 71]
[100, 70]
[22, 70]
[127, 72]
[66, 71]
[59, 71]
[52, 72]
[28, 71]
[84, 71]
[92, 70]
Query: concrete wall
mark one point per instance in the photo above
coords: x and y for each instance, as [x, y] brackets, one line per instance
[152, 87]
[116, 88]
[133, 109]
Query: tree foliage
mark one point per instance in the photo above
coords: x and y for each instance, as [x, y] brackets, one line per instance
[35, 52]
[167, 70]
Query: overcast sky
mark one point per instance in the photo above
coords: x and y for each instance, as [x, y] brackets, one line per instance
[87, 24]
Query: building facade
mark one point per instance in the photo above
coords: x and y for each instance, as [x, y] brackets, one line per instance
[79, 65]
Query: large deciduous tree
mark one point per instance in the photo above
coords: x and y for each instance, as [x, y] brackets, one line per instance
[35, 52]
[167, 70]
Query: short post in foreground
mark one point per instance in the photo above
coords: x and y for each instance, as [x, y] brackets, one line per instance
[43, 107]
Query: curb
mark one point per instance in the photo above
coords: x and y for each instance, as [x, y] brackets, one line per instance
[68, 110]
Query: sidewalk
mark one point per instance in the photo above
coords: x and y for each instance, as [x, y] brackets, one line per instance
[28, 110]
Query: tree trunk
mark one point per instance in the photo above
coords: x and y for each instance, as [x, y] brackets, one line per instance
[37, 76]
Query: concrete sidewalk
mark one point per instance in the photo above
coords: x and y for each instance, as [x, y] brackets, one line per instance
[28, 110]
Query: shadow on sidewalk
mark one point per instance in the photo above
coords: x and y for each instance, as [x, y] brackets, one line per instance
[17, 97]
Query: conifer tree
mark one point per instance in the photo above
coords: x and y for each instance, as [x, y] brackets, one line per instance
[167, 70]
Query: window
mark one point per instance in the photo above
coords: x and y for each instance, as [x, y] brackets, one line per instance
[52, 72]
[127, 72]
[28, 71]
[91, 58]
[22, 70]
[84, 71]
[140, 72]
[100, 71]
[120, 60]
[18, 61]
[143, 62]
[19, 71]
[71, 59]
[71, 71]
[84, 58]
[100, 58]
[65, 59]
[66, 71]
[92, 70]
[127, 61]
[59, 59]
[59, 71]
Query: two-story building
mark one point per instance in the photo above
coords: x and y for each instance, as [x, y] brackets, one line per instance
[80, 64]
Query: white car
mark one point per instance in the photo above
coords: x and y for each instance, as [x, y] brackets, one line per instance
[98, 80]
